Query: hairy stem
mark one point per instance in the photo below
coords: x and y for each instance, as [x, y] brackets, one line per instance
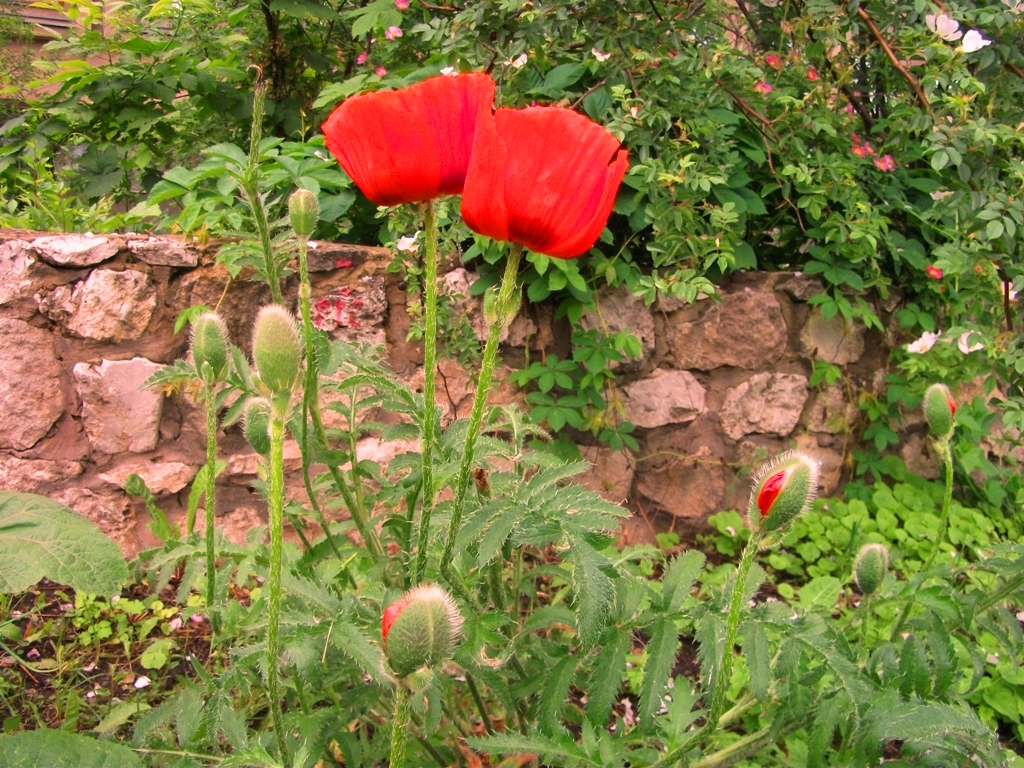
[251, 187]
[211, 494]
[400, 726]
[505, 307]
[429, 375]
[276, 508]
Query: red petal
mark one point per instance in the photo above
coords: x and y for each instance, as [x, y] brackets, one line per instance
[390, 614]
[770, 490]
[952, 406]
[483, 199]
[410, 145]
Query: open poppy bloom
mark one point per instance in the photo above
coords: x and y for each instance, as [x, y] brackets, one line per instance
[545, 177]
[412, 144]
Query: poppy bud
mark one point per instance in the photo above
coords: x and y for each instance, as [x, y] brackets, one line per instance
[257, 425]
[938, 410]
[419, 629]
[783, 490]
[870, 567]
[276, 349]
[210, 346]
[303, 212]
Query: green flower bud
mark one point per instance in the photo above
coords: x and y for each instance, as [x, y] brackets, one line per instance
[783, 490]
[257, 424]
[419, 630]
[277, 349]
[870, 567]
[303, 212]
[210, 345]
[939, 408]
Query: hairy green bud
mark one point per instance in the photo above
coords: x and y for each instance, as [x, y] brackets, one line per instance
[419, 630]
[277, 349]
[257, 425]
[939, 408]
[870, 567]
[210, 346]
[303, 212]
[783, 490]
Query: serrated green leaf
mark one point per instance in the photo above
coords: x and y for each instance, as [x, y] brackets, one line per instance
[755, 651]
[543, 746]
[661, 657]
[41, 538]
[679, 577]
[351, 640]
[60, 749]
[825, 722]
[606, 678]
[593, 592]
[552, 700]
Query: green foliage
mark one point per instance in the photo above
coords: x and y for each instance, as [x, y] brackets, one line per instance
[59, 749]
[41, 538]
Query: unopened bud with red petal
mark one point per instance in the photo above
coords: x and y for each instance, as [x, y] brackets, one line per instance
[419, 629]
[783, 490]
[939, 408]
[870, 568]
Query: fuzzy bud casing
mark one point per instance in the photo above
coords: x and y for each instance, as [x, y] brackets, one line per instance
[939, 408]
[277, 349]
[870, 567]
[210, 346]
[419, 630]
[256, 419]
[783, 490]
[303, 212]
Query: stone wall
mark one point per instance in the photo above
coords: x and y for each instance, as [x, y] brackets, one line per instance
[84, 320]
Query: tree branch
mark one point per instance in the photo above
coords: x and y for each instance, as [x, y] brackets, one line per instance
[896, 62]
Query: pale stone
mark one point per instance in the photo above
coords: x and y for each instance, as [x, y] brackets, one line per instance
[31, 386]
[767, 403]
[383, 451]
[353, 313]
[745, 330]
[111, 512]
[117, 415]
[829, 460]
[16, 259]
[667, 397]
[164, 251]
[160, 477]
[610, 474]
[236, 525]
[617, 309]
[75, 250]
[356, 260]
[690, 487]
[521, 331]
[918, 457]
[831, 413]
[835, 339]
[112, 306]
[33, 475]
[801, 287]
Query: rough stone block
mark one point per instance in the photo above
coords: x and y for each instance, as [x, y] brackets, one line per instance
[160, 477]
[610, 474]
[16, 259]
[33, 475]
[116, 414]
[31, 386]
[834, 339]
[689, 488]
[76, 250]
[667, 397]
[164, 251]
[107, 306]
[767, 403]
[619, 310]
[111, 512]
[745, 330]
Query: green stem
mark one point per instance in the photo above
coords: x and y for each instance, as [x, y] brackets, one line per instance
[251, 187]
[865, 615]
[505, 309]
[429, 375]
[946, 454]
[276, 505]
[1001, 594]
[211, 494]
[400, 726]
[479, 701]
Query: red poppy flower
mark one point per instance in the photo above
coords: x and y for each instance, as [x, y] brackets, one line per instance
[412, 144]
[545, 177]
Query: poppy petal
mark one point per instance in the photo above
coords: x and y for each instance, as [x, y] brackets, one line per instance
[483, 198]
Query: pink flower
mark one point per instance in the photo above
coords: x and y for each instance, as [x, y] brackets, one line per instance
[381, 71]
[393, 32]
[773, 61]
[933, 272]
[849, 109]
[762, 87]
[401, 4]
[859, 151]
[885, 163]
[361, 58]
[812, 74]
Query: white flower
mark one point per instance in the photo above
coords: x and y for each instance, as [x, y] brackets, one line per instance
[922, 345]
[448, 71]
[943, 26]
[407, 243]
[1014, 5]
[142, 682]
[519, 61]
[973, 41]
[312, 245]
[600, 56]
[965, 346]
[941, 194]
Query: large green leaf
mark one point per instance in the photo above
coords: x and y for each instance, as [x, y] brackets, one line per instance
[41, 538]
[60, 749]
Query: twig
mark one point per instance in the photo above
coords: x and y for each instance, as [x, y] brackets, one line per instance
[896, 62]
[1015, 69]
[588, 92]
[655, 9]
[749, 111]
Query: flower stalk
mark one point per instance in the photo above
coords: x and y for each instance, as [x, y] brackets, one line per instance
[211, 493]
[429, 378]
[505, 307]
[400, 726]
[276, 519]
